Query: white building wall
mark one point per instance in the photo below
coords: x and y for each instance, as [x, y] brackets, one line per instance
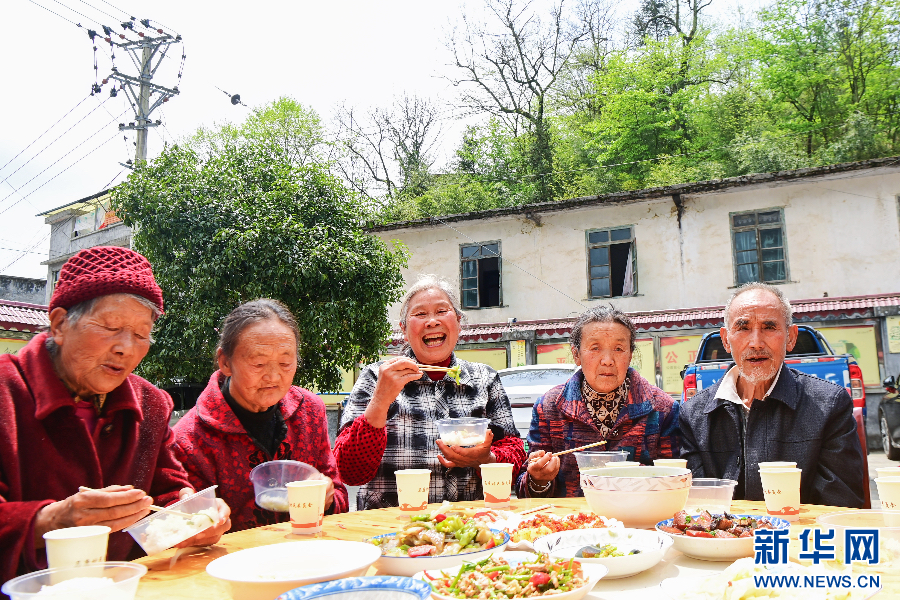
[842, 237]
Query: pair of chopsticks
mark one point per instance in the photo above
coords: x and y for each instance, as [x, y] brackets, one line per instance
[585, 447]
[433, 368]
[152, 507]
[535, 509]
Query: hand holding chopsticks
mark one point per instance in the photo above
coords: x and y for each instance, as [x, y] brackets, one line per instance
[585, 447]
[152, 507]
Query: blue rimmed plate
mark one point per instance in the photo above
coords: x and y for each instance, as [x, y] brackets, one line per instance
[363, 588]
[718, 549]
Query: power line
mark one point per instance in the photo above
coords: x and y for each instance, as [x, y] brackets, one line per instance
[78, 13]
[100, 10]
[56, 13]
[24, 252]
[45, 131]
[51, 143]
[60, 173]
[20, 250]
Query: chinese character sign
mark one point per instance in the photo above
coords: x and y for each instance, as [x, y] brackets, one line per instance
[770, 546]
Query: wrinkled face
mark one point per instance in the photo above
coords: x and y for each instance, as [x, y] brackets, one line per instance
[262, 366]
[432, 326]
[604, 355]
[757, 336]
[98, 352]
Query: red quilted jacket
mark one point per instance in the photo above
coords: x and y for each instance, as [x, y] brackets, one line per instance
[215, 449]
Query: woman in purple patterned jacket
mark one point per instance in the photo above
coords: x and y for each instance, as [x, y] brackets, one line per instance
[604, 400]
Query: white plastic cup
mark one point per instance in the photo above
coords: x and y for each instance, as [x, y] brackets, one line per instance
[306, 501]
[889, 494]
[777, 464]
[77, 546]
[412, 489]
[496, 479]
[670, 462]
[781, 489]
[888, 472]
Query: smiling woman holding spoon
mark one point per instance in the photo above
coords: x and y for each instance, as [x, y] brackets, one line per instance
[389, 423]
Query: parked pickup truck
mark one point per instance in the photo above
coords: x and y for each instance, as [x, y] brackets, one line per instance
[811, 355]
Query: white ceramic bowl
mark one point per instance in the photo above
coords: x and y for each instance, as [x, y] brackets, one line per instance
[125, 574]
[636, 479]
[408, 566]
[592, 572]
[652, 545]
[640, 510]
[717, 549]
[267, 571]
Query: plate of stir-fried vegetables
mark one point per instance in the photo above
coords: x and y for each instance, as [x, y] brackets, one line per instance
[436, 541]
[496, 577]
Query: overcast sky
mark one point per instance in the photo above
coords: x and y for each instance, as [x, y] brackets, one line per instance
[321, 53]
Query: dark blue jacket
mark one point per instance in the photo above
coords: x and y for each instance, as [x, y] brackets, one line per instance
[805, 419]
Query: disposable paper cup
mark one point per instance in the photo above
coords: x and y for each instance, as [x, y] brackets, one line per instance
[624, 463]
[670, 462]
[306, 500]
[77, 546]
[496, 478]
[888, 472]
[889, 494]
[778, 464]
[781, 489]
[412, 488]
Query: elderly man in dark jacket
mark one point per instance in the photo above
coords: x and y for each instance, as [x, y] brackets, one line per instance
[763, 411]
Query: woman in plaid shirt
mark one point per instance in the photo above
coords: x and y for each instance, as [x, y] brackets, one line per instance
[604, 400]
[389, 423]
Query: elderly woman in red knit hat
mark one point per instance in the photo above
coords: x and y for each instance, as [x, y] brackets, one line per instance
[74, 415]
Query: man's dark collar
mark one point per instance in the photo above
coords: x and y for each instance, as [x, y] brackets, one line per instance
[785, 391]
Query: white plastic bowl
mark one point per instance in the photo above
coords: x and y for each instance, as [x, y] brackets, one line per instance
[640, 510]
[125, 574]
[652, 545]
[463, 431]
[408, 566]
[596, 460]
[636, 479]
[270, 481]
[203, 500]
[717, 549]
[267, 571]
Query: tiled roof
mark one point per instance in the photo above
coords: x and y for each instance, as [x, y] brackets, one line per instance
[661, 320]
[21, 316]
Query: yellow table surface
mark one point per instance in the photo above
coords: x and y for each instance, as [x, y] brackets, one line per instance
[187, 579]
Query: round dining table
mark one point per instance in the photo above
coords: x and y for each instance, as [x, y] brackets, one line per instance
[186, 577]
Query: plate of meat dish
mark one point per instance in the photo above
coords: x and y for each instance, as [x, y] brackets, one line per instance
[716, 537]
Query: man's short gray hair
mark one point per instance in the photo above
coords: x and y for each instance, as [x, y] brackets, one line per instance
[75, 313]
[786, 310]
[431, 282]
[601, 314]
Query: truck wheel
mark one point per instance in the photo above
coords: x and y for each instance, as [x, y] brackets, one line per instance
[891, 451]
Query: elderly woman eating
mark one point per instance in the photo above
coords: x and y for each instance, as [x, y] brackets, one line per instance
[250, 413]
[390, 419]
[74, 415]
[604, 400]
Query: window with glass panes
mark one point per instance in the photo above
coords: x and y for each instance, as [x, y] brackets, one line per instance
[480, 275]
[759, 246]
[612, 262]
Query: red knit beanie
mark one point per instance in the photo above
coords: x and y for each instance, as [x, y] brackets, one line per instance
[105, 270]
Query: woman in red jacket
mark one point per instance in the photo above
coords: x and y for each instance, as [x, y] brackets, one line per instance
[250, 413]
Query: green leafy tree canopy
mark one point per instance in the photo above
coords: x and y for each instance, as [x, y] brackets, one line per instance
[246, 221]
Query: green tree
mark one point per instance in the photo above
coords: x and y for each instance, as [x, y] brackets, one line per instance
[245, 222]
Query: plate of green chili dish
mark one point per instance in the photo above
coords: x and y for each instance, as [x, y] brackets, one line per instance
[497, 577]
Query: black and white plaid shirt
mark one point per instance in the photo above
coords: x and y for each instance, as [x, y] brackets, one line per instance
[412, 431]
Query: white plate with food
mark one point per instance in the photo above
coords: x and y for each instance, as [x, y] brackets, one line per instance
[436, 540]
[716, 537]
[267, 571]
[524, 530]
[517, 577]
[736, 583]
[624, 552]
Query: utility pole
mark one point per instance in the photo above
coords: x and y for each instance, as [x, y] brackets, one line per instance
[146, 53]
